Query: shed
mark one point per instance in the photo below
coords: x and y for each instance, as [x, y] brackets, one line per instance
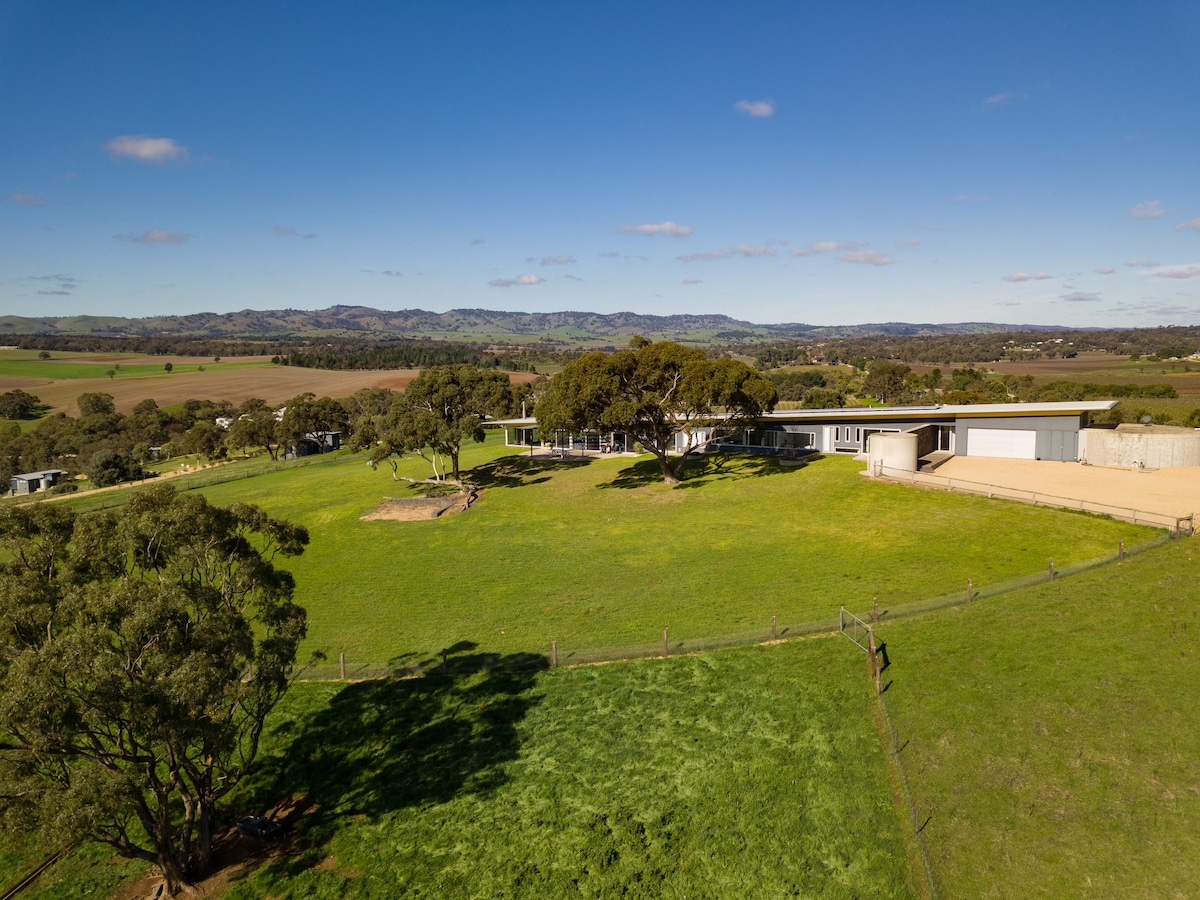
[31, 482]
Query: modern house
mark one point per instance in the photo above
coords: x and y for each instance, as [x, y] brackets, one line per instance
[31, 482]
[1007, 430]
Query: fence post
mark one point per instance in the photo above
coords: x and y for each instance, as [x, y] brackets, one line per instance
[666, 650]
[772, 628]
[875, 609]
[970, 592]
[342, 665]
[1121, 549]
[874, 659]
[1052, 568]
[553, 653]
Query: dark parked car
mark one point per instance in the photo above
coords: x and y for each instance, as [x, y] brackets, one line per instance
[260, 827]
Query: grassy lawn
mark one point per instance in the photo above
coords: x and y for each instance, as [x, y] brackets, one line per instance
[603, 555]
[1051, 734]
[750, 772]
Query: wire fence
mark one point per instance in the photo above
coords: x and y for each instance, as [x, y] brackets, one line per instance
[217, 473]
[675, 643]
[1175, 523]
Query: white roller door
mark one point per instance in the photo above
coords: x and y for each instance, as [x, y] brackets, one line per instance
[1002, 443]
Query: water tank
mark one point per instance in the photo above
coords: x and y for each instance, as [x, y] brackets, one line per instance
[892, 451]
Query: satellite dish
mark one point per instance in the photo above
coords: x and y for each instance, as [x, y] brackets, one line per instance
[1146, 420]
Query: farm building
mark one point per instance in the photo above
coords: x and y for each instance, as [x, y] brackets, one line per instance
[31, 482]
[1006, 430]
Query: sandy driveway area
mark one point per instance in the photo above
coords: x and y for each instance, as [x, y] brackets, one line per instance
[1172, 492]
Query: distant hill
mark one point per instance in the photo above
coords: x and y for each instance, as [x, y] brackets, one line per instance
[475, 325]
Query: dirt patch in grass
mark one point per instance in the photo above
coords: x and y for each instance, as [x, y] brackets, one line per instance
[417, 509]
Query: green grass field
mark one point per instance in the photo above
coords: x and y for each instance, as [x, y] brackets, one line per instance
[755, 772]
[602, 554]
[1051, 734]
[131, 365]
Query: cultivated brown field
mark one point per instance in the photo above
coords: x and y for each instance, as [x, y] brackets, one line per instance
[275, 384]
[1101, 368]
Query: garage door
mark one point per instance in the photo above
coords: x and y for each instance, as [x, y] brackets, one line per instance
[1002, 443]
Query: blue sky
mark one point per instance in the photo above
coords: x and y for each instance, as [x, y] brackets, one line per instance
[776, 162]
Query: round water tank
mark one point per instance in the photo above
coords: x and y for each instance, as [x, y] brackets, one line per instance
[892, 451]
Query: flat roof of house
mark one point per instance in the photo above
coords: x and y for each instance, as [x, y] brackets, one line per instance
[41, 474]
[962, 410]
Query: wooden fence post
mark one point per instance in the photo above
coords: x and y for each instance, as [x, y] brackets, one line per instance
[342, 665]
[772, 628]
[553, 653]
[874, 659]
[970, 592]
[665, 648]
[875, 609]
[1052, 568]
[1121, 549]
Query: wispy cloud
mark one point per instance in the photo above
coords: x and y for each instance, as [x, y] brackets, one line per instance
[284, 231]
[707, 254]
[1140, 263]
[1151, 209]
[520, 281]
[558, 260]
[866, 257]
[1002, 98]
[479, 241]
[156, 236]
[1180, 272]
[1026, 276]
[1105, 270]
[908, 242]
[692, 281]
[967, 198]
[1193, 224]
[147, 149]
[26, 199]
[572, 278]
[55, 293]
[756, 109]
[747, 250]
[670, 229]
[392, 273]
[799, 251]
[1080, 297]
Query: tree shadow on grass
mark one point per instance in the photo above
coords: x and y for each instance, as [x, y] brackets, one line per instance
[515, 471]
[709, 467]
[381, 746]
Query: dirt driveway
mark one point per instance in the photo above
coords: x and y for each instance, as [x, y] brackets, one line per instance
[1171, 492]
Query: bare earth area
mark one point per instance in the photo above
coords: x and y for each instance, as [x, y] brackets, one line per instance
[1171, 492]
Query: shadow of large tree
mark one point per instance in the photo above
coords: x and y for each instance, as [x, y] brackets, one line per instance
[707, 467]
[380, 746]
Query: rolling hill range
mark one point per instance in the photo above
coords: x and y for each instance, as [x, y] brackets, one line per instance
[488, 326]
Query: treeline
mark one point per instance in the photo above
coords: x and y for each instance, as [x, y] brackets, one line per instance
[412, 355]
[155, 346]
[1161, 343]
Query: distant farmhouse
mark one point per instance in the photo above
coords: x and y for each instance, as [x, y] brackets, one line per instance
[32, 482]
[1047, 431]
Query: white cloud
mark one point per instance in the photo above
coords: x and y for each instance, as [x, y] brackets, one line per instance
[1080, 297]
[746, 250]
[1192, 271]
[668, 228]
[1151, 209]
[1002, 98]
[147, 149]
[557, 260]
[799, 251]
[867, 257]
[1025, 276]
[156, 236]
[1105, 270]
[692, 281]
[756, 109]
[284, 231]
[908, 242]
[828, 246]
[1193, 224]
[707, 254]
[26, 199]
[520, 281]
[1140, 263]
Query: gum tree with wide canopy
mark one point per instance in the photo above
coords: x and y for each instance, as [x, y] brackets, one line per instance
[140, 652]
[653, 391]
